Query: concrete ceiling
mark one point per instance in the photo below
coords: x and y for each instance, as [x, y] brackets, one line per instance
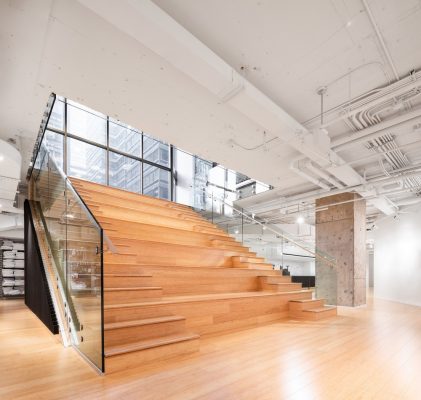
[165, 71]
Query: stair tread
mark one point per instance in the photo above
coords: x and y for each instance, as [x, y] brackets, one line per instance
[149, 343]
[320, 309]
[205, 297]
[141, 322]
[132, 288]
[284, 283]
[128, 275]
[306, 300]
[123, 265]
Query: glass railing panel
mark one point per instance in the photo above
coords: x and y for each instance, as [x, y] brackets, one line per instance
[75, 242]
[84, 265]
[286, 251]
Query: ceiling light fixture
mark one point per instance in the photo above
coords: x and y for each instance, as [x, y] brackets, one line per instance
[237, 232]
[1, 157]
[300, 220]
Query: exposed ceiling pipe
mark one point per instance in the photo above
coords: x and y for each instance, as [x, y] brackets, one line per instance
[319, 172]
[287, 201]
[368, 100]
[381, 40]
[375, 131]
[407, 202]
[295, 167]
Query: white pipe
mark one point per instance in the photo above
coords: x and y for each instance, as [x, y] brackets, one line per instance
[368, 100]
[361, 187]
[374, 131]
[316, 170]
[301, 173]
[381, 40]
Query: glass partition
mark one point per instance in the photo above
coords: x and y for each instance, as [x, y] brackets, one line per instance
[285, 250]
[75, 242]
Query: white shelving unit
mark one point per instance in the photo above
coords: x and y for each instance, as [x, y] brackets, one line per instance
[12, 259]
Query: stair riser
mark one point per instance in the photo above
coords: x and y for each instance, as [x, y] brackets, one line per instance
[283, 287]
[305, 306]
[262, 266]
[137, 333]
[275, 279]
[238, 261]
[321, 315]
[129, 281]
[119, 258]
[123, 269]
[140, 358]
[131, 296]
[207, 314]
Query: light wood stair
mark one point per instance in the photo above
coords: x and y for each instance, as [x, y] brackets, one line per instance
[310, 309]
[176, 276]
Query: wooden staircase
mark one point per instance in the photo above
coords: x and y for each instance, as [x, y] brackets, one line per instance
[176, 276]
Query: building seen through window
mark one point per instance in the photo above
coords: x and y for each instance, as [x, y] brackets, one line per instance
[92, 146]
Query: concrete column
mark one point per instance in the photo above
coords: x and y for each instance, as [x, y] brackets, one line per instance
[340, 232]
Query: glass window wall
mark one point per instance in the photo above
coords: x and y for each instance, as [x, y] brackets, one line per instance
[104, 150]
[86, 161]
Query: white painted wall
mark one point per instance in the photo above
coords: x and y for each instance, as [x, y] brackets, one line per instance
[397, 259]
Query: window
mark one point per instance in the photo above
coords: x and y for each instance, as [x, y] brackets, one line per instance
[86, 123]
[155, 151]
[156, 182]
[124, 138]
[86, 161]
[57, 116]
[125, 172]
[184, 170]
[54, 143]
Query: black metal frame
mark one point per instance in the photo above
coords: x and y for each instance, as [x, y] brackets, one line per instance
[66, 134]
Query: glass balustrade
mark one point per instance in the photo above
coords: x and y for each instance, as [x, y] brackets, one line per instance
[75, 242]
[292, 252]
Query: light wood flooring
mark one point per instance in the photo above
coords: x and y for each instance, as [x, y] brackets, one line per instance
[365, 353]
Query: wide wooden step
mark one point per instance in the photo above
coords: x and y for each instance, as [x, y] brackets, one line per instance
[275, 278]
[300, 305]
[124, 194]
[282, 286]
[116, 280]
[148, 328]
[124, 295]
[254, 265]
[315, 314]
[310, 309]
[129, 355]
[206, 314]
[237, 261]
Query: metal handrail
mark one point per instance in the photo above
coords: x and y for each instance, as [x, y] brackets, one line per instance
[91, 216]
[330, 261]
[40, 137]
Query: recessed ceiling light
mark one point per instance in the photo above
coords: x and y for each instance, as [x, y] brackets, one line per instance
[348, 24]
[1, 157]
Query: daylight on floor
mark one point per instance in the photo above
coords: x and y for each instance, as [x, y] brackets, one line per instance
[210, 199]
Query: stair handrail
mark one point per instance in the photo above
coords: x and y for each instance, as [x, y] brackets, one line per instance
[41, 133]
[91, 216]
[328, 260]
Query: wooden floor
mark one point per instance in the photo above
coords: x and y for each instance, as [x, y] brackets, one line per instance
[365, 353]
